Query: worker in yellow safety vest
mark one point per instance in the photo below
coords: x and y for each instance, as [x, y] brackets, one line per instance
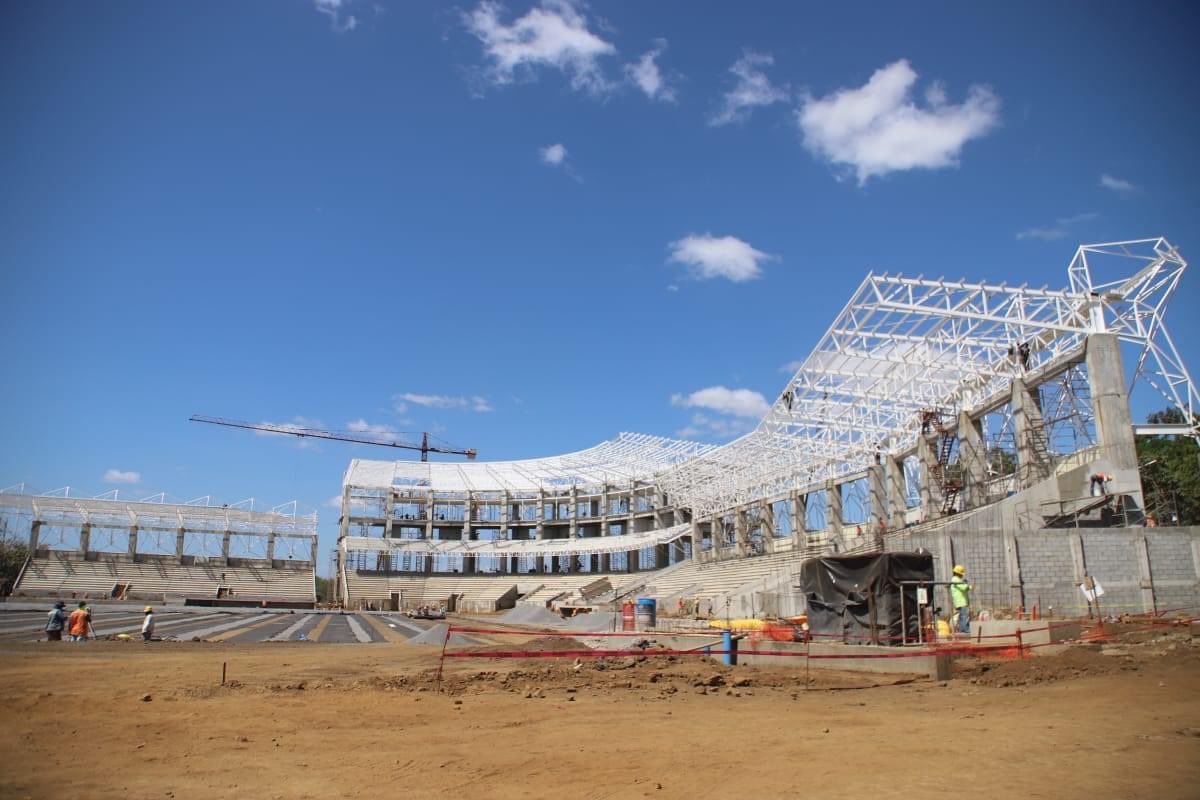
[960, 595]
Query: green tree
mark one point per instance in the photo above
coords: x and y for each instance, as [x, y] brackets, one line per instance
[13, 553]
[1170, 471]
[324, 589]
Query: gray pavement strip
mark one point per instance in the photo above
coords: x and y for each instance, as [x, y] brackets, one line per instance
[242, 619]
[287, 634]
[359, 632]
[401, 622]
[168, 623]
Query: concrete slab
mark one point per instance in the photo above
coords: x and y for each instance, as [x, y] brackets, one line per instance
[846, 658]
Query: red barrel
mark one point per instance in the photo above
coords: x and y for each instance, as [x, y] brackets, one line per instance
[627, 617]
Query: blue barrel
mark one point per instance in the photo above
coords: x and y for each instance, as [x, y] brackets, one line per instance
[647, 613]
[729, 645]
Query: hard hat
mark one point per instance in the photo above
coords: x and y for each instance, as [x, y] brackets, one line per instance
[959, 569]
[148, 608]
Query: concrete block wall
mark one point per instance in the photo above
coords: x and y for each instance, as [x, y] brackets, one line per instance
[1048, 566]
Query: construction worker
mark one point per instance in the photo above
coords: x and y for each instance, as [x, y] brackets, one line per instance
[147, 623]
[56, 622]
[960, 595]
[80, 623]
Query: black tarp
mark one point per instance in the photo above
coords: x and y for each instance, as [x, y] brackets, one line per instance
[856, 598]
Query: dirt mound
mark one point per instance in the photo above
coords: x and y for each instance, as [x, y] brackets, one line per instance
[535, 616]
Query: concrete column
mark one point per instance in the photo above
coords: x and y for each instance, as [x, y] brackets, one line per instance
[574, 515]
[179, 540]
[696, 537]
[972, 460]
[35, 528]
[741, 531]
[833, 507]
[897, 491]
[1145, 575]
[133, 537]
[389, 509]
[225, 537]
[85, 538]
[878, 494]
[1110, 400]
[541, 514]
[505, 507]
[271, 546]
[797, 517]
[931, 490]
[1033, 458]
[1012, 566]
[429, 517]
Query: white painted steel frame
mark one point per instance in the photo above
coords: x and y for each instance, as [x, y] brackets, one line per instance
[905, 345]
[594, 545]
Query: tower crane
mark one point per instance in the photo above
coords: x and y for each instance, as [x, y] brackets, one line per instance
[339, 436]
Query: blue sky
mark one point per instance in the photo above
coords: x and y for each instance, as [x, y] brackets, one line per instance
[526, 227]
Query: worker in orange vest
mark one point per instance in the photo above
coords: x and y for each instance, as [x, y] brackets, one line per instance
[79, 624]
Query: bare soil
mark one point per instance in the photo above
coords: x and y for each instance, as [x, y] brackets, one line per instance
[297, 720]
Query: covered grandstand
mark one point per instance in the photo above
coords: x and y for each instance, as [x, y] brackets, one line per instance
[150, 549]
[946, 414]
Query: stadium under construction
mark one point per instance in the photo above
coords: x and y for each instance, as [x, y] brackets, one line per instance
[983, 423]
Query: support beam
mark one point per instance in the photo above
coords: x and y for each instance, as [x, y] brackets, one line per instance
[1033, 447]
[34, 531]
[179, 541]
[972, 461]
[897, 492]
[1110, 400]
[133, 541]
[931, 490]
[833, 507]
[878, 496]
[85, 538]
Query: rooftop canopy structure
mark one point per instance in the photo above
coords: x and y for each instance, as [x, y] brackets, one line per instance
[904, 345]
[626, 459]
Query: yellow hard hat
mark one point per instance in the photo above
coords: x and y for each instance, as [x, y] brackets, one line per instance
[959, 569]
[147, 608]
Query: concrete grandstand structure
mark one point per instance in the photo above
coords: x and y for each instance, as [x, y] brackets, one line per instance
[980, 421]
[107, 548]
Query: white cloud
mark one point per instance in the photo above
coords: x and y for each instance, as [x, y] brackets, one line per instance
[734, 402]
[121, 476]
[1116, 184]
[334, 502]
[646, 75]
[333, 9]
[553, 34]
[791, 367]
[1058, 230]
[704, 427]
[877, 128]
[554, 154]
[711, 256]
[475, 403]
[751, 90]
[360, 425]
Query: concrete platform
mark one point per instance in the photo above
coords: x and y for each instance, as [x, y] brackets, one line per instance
[846, 658]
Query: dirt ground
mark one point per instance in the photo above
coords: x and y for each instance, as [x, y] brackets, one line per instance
[296, 720]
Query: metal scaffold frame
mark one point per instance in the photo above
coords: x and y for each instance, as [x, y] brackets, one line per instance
[902, 346]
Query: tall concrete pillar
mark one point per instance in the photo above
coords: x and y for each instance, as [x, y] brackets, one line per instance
[389, 513]
[972, 461]
[505, 508]
[133, 540]
[179, 541]
[574, 513]
[931, 490]
[897, 492]
[797, 508]
[225, 538]
[833, 507]
[541, 514]
[468, 515]
[85, 538]
[1033, 456]
[271, 546]
[741, 531]
[35, 529]
[429, 517]
[878, 494]
[1110, 400]
[697, 535]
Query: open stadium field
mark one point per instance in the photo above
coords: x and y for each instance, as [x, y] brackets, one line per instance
[115, 719]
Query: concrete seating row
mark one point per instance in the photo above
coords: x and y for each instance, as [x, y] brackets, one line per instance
[61, 575]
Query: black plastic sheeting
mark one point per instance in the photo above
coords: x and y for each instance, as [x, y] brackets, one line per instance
[856, 598]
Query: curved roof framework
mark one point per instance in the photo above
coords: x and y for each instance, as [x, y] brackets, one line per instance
[629, 457]
[902, 345]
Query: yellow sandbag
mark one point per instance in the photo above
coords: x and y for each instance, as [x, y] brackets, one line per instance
[738, 624]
